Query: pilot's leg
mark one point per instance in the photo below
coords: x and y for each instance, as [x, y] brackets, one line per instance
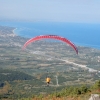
[47, 83]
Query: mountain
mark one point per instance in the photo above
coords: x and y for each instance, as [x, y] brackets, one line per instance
[41, 59]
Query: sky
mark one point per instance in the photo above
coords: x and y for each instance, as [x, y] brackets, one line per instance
[84, 11]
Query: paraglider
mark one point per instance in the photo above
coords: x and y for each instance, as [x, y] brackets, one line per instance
[51, 37]
[48, 80]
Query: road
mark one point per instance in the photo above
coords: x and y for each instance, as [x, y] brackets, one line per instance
[68, 62]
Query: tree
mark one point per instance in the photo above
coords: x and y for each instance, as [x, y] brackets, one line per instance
[83, 89]
[97, 85]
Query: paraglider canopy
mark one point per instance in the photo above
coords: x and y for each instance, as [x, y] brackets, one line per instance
[51, 37]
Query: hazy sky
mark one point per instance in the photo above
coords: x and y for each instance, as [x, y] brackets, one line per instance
[51, 10]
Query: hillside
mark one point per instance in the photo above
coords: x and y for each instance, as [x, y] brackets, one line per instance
[41, 59]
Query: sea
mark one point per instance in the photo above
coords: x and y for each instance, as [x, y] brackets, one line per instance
[81, 34]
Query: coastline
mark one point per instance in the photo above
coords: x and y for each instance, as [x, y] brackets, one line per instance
[80, 40]
[14, 32]
[76, 43]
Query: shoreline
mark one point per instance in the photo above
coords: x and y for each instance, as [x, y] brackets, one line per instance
[76, 43]
[14, 32]
[69, 62]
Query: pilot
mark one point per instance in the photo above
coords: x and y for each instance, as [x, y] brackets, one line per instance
[48, 80]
